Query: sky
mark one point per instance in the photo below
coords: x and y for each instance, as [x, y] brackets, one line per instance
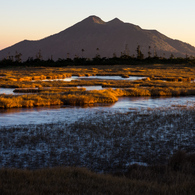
[36, 19]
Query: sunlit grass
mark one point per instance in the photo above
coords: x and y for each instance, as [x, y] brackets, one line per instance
[104, 143]
[69, 97]
[161, 80]
[79, 96]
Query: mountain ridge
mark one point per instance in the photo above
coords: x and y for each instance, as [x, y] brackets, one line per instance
[93, 35]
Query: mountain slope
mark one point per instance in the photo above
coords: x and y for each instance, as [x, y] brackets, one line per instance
[110, 37]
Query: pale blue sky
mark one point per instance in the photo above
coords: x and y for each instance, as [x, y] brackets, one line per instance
[36, 19]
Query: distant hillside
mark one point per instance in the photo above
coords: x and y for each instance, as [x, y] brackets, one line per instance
[93, 36]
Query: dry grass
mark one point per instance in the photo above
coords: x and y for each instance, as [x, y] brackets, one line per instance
[162, 80]
[137, 180]
[58, 97]
[48, 90]
[157, 70]
[120, 139]
[79, 97]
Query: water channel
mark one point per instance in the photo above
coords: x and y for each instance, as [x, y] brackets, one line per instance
[70, 114]
[100, 138]
[132, 78]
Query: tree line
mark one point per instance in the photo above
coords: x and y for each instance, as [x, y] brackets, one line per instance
[124, 59]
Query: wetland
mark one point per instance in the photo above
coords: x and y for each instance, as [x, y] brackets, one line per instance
[103, 118]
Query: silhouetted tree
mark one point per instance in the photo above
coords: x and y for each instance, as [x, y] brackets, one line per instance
[18, 57]
[140, 55]
[39, 55]
[126, 50]
[82, 50]
[114, 55]
[155, 52]
[97, 54]
[149, 52]
[171, 56]
[8, 56]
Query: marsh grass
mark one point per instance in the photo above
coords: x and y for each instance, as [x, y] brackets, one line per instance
[104, 142]
[162, 80]
[70, 96]
[48, 90]
[71, 180]
[101, 141]
[79, 96]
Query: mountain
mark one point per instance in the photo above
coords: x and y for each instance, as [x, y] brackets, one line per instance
[93, 36]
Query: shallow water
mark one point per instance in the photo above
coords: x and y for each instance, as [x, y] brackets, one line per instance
[132, 78]
[101, 141]
[6, 91]
[103, 138]
[112, 77]
[149, 102]
[10, 91]
[64, 79]
[70, 114]
[88, 88]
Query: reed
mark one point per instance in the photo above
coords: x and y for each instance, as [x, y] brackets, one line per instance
[167, 179]
[78, 97]
[161, 80]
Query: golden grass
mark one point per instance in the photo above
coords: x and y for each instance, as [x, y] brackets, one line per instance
[164, 71]
[162, 80]
[48, 90]
[78, 97]
[9, 101]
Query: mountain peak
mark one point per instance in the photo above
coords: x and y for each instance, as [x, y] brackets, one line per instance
[91, 33]
[115, 21]
[95, 19]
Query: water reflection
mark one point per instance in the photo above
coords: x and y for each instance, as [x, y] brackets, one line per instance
[96, 77]
[64, 79]
[10, 91]
[6, 91]
[70, 114]
[88, 88]
[112, 77]
[154, 102]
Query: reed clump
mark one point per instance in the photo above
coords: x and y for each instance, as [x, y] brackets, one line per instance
[78, 97]
[161, 80]
[47, 90]
[10, 101]
[90, 97]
